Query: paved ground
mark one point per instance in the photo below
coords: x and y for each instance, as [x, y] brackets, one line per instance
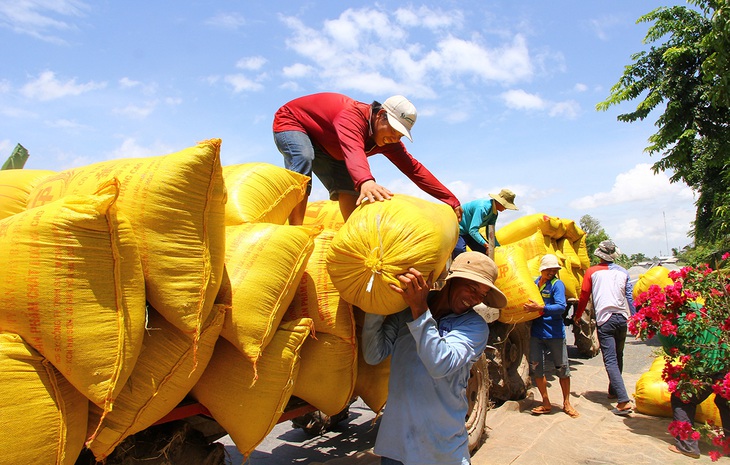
[515, 436]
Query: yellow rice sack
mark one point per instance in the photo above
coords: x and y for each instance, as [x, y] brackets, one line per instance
[527, 225]
[265, 263]
[43, 416]
[570, 277]
[533, 245]
[166, 370]
[515, 282]
[15, 187]
[652, 397]
[76, 293]
[317, 298]
[327, 372]
[325, 213]
[262, 193]
[248, 411]
[371, 384]
[176, 204]
[571, 256]
[573, 232]
[383, 239]
[582, 250]
[656, 275]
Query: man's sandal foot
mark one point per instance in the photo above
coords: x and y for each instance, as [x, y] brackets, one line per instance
[571, 412]
[541, 410]
[676, 450]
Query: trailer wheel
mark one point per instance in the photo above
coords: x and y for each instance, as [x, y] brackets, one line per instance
[509, 371]
[477, 393]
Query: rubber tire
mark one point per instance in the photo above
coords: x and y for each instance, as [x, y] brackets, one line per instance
[509, 371]
[477, 393]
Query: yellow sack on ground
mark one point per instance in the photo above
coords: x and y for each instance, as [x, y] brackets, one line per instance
[15, 187]
[317, 298]
[176, 204]
[652, 397]
[166, 370]
[248, 411]
[516, 283]
[325, 213]
[76, 292]
[656, 275]
[371, 384]
[327, 373]
[265, 263]
[527, 225]
[262, 193]
[43, 416]
[383, 239]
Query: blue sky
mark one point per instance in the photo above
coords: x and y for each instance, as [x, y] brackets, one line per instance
[505, 92]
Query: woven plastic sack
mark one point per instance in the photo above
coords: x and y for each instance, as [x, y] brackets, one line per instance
[166, 370]
[515, 282]
[383, 239]
[327, 373]
[43, 416]
[265, 263]
[176, 204]
[527, 225]
[656, 275]
[533, 245]
[76, 293]
[371, 384]
[248, 411]
[652, 397]
[571, 256]
[325, 213]
[582, 250]
[573, 232]
[262, 193]
[317, 298]
[15, 187]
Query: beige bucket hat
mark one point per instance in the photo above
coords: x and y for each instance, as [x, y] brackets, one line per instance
[477, 267]
[507, 198]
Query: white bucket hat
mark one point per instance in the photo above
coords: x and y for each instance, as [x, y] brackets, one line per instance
[549, 262]
[401, 114]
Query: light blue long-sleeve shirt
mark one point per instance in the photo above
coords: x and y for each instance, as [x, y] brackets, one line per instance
[477, 214]
[423, 423]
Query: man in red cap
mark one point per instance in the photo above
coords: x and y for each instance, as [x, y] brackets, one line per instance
[331, 135]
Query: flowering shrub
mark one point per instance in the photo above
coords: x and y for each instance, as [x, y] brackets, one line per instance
[691, 317]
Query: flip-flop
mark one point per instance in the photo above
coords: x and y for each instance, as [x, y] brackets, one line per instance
[540, 410]
[571, 412]
[623, 411]
[677, 450]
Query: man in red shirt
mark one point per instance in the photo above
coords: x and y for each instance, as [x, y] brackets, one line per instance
[332, 135]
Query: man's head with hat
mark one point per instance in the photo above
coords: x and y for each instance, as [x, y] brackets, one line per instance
[505, 198]
[607, 251]
[471, 280]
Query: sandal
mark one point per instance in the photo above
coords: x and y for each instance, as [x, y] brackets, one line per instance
[622, 411]
[571, 412]
[541, 410]
[676, 450]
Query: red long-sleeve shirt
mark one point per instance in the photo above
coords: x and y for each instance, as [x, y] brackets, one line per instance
[341, 127]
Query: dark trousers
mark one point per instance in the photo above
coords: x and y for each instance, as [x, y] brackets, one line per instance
[612, 337]
[686, 412]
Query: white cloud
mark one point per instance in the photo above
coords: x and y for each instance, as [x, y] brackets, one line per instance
[65, 124]
[42, 19]
[372, 51]
[136, 111]
[521, 100]
[241, 83]
[251, 63]
[580, 87]
[4, 86]
[602, 26]
[131, 149]
[638, 184]
[230, 21]
[47, 87]
[568, 109]
[173, 100]
[297, 70]
[126, 83]
[14, 112]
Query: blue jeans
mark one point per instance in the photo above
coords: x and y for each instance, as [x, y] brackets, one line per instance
[301, 156]
[387, 461]
[461, 244]
[686, 412]
[612, 337]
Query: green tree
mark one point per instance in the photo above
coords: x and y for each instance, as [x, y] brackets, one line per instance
[594, 235]
[688, 75]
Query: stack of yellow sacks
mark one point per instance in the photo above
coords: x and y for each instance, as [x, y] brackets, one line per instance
[523, 243]
[134, 283]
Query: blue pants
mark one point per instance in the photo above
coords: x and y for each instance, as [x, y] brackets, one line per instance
[465, 240]
[686, 412]
[612, 337]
